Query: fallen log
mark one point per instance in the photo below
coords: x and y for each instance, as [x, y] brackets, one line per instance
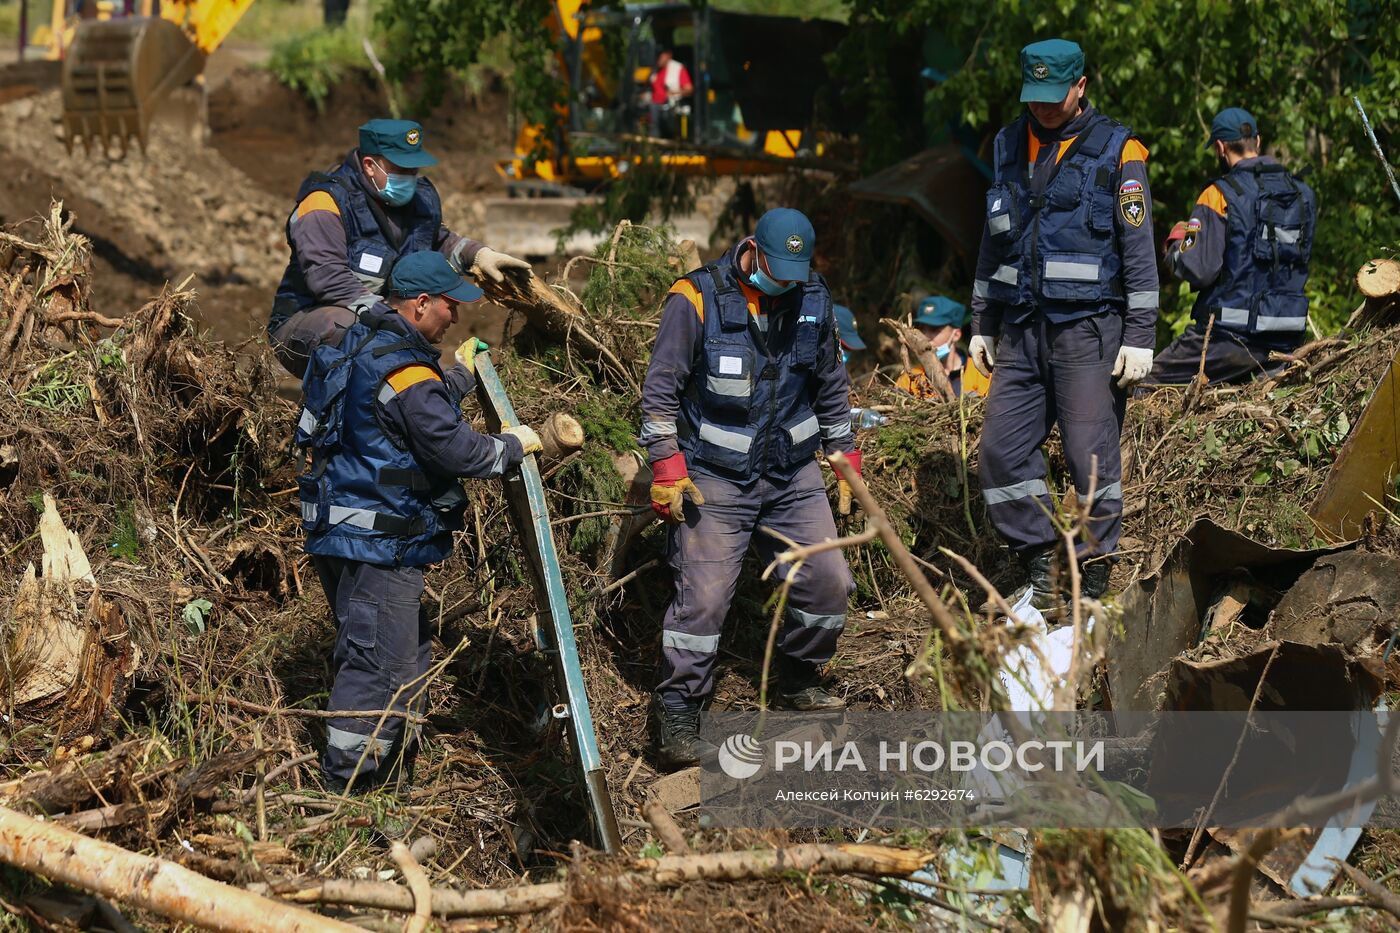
[152, 884]
[667, 871]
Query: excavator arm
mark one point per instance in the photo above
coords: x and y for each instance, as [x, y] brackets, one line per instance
[117, 71]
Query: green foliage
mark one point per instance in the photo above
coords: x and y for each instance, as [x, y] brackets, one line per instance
[126, 542]
[196, 615]
[631, 272]
[56, 387]
[312, 63]
[1164, 67]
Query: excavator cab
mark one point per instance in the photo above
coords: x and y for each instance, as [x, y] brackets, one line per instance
[117, 72]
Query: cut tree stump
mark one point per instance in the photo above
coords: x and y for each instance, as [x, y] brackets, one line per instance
[560, 435]
[1379, 278]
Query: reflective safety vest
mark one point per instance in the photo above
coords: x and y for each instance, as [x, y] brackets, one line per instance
[1270, 218]
[370, 253]
[1056, 248]
[748, 410]
[365, 497]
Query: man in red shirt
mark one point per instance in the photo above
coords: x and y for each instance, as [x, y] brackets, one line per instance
[670, 83]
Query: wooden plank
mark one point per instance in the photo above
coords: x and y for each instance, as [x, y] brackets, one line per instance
[529, 513]
[1362, 475]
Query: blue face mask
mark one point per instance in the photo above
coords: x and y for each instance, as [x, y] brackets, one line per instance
[768, 285]
[943, 351]
[398, 190]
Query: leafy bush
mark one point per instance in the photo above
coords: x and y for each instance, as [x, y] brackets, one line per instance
[311, 63]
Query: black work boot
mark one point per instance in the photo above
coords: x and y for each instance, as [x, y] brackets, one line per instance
[677, 725]
[800, 687]
[1038, 567]
[1093, 578]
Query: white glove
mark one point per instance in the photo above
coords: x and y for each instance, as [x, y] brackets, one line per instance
[493, 263]
[529, 440]
[980, 349]
[1133, 365]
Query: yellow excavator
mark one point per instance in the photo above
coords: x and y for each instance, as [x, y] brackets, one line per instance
[118, 67]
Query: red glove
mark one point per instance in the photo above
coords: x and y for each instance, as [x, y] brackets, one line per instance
[670, 485]
[843, 488]
[1178, 231]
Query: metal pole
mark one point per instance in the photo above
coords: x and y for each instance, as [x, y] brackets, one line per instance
[1375, 144]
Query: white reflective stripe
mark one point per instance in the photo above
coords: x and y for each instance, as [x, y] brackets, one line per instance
[734, 388]
[348, 741]
[1074, 271]
[1234, 316]
[834, 432]
[654, 429]
[806, 428]
[455, 258]
[1289, 235]
[1111, 491]
[999, 223]
[761, 322]
[386, 392]
[979, 288]
[307, 422]
[1026, 490]
[707, 644]
[1281, 323]
[1142, 301]
[340, 515]
[732, 440]
[498, 463]
[1007, 274]
[835, 621]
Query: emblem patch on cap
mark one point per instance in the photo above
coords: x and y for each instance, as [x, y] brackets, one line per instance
[1039, 71]
[794, 244]
[412, 137]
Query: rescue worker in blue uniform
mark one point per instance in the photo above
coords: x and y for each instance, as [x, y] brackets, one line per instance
[1245, 250]
[349, 227]
[744, 387]
[1065, 307]
[383, 424]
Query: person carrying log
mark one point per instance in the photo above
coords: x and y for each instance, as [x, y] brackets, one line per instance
[383, 423]
[1245, 249]
[351, 224]
[941, 320]
[745, 385]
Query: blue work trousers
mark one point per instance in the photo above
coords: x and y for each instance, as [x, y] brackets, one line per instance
[706, 553]
[383, 647]
[1051, 373]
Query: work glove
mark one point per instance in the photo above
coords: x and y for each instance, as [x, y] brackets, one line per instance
[496, 264]
[843, 488]
[1132, 366]
[670, 485]
[1178, 231]
[529, 440]
[467, 351]
[980, 349]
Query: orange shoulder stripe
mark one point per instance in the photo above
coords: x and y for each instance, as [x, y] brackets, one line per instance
[406, 376]
[1133, 151]
[1213, 199]
[692, 294]
[317, 201]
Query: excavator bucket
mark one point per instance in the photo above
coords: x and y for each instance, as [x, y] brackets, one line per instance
[116, 74]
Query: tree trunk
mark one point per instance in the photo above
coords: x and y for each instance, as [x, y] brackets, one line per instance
[560, 435]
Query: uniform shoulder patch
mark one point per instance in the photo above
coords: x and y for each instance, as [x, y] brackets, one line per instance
[406, 377]
[1131, 202]
[318, 201]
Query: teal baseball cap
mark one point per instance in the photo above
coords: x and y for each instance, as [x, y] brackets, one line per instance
[1048, 68]
[427, 272]
[786, 239]
[846, 328]
[399, 141]
[1231, 124]
[938, 311]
